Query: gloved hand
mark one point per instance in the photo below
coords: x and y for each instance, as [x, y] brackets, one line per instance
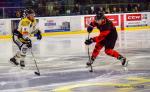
[88, 41]
[89, 29]
[28, 43]
[38, 35]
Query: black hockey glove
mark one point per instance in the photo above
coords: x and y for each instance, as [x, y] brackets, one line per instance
[88, 41]
[38, 35]
[89, 29]
[28, 43]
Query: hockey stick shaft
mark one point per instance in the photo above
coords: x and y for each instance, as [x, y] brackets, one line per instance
[38, 71]
[89, 54]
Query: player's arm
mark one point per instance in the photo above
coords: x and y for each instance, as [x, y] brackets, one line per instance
[36, 31]
[38, 34]
[91, 27]
[89, 30]
[17, 32]
[101, 37]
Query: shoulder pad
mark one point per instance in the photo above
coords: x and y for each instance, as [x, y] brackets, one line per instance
[25, 22]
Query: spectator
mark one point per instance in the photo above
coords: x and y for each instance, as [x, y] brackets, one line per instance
[129, 7]
[114, 10]
[92, 10]
[101, 9]
[135, 9]
[76, 9]
[18, 15]
[86, 12]
[62, 7]
[56, 8]
[68, 12]
[120, 10]
[40, 10]
[138, 7]
[126, 10]
[107, 10]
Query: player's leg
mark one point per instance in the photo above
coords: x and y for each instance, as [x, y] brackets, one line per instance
[17, 55]
[95, 53]
[23, 47]
[14, 59]
[24, 50]
[109, 50]
[117, 55]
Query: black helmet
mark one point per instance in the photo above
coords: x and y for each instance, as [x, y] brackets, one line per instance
[99, 16]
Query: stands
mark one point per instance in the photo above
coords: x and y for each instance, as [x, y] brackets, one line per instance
[62, 7]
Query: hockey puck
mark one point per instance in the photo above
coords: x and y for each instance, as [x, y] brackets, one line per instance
[37, 73]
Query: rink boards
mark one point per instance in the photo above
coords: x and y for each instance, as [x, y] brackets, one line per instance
[77, 24]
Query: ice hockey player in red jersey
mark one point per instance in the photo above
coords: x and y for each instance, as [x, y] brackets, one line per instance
[107, 38]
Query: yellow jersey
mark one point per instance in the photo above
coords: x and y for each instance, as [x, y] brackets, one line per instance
[26, 27]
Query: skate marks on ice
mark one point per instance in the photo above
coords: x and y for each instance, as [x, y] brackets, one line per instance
[75, 77]
[128, 84]
[78, 79]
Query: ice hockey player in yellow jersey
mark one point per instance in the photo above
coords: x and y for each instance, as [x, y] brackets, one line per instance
[22, 37]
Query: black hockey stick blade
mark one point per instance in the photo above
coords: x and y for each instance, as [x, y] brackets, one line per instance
[37, 73]
[91, 70]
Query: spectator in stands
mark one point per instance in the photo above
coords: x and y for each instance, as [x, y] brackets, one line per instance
[139, 7]
[107, 10]
[56, 8]
[76, 9]
[88, 10]
[41, 9]
[125, 10]
[62, 7]
[120, 10]
[18, 15]
[68, 11]
[39, 12]
[135, 9]
[114, 10]
[129, 7]
[92, 10]
[101, 9]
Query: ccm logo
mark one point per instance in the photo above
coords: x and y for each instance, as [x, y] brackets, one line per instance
[133, 17]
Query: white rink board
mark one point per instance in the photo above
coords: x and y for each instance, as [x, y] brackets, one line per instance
[77, 23]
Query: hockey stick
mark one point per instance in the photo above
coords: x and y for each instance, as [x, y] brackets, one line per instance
[38, 71]
[91, 70]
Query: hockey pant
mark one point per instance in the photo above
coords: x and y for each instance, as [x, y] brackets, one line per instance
[23, 48]
[108, 42]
